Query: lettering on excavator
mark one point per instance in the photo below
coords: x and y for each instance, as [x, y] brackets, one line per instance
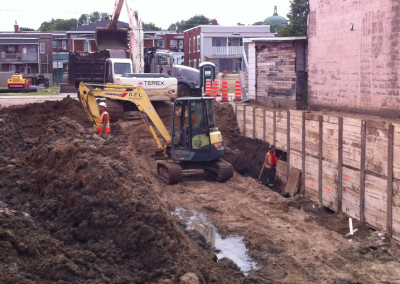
[151, 83]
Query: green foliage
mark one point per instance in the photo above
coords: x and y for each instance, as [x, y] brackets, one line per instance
[297, 19]
[150, 26]
[192, 22]
[27, 29]
[93, 18]
[58, 25]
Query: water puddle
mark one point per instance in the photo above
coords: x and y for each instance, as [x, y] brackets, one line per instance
[231, 247]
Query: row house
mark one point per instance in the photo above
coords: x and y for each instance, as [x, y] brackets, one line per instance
[167, 40]
[26, 52]
[221, 45]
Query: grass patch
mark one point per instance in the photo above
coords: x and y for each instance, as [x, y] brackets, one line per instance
[49, 91]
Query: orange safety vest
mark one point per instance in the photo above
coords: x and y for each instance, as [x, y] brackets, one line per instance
[100, 123]
[270, 160]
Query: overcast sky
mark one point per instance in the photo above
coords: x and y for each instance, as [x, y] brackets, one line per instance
[31, 13]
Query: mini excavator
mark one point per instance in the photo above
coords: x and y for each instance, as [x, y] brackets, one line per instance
[194, 143]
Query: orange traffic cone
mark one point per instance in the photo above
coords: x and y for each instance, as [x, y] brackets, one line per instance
[225, 91]
[208, 87]
[214, 89]
[238, 91]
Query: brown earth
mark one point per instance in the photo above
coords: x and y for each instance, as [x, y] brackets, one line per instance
[77, 209]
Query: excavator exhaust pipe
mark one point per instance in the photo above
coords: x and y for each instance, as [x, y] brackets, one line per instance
[108, 38]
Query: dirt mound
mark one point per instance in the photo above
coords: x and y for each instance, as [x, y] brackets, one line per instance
[245, 154]
[78, 210]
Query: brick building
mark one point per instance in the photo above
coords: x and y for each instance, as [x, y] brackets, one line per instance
[354, 55]
[26, 52]
[222, 45]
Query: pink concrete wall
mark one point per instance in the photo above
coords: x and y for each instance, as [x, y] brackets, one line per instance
[355, 69]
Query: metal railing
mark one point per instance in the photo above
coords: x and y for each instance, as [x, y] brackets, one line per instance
[227, 50]
[18, 57]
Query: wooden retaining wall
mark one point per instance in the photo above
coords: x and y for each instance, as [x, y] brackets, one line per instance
[348, 164]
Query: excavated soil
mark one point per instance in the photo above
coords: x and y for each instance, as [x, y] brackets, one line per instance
[77, 209]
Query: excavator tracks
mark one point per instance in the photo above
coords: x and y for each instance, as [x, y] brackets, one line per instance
[169, 172]
[220, 170]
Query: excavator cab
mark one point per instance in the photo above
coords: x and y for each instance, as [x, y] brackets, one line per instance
[195, 136]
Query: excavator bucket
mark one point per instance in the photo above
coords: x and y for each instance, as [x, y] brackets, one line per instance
[108, 38]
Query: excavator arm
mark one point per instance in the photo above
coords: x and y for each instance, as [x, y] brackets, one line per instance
[135, 95]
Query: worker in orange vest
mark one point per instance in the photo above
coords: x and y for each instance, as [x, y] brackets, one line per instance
[270, 165]
[103, 124]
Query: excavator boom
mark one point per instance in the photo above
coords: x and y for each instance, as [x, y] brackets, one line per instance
[135, 95]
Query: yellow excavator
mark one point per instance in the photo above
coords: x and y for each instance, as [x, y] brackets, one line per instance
[195, 142]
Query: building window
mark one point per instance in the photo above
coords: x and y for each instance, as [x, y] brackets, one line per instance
[173, 43]
[190, 41]
[194, 45]
[64, 45]
[54, 44]
[198, 43]
[218, 41]
[42, 50]
[181, 44]
[194, 63]
[161, 43]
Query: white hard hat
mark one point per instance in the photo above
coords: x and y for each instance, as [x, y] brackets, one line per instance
[102, 104]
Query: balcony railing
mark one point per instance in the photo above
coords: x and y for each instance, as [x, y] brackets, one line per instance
[227, 50]
[18, 57]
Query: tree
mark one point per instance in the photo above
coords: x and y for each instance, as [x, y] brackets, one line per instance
[58, 25]
[297, 19]
[27, 29]
[192, 22]
[150, 26]
[94, 17]
[259, 23]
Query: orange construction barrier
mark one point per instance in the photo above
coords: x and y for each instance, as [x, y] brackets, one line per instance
[215, 89]
[225, 91]
[208, 87]
[238, 91]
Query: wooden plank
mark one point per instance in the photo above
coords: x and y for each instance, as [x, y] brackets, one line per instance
[281, 171]
[396, 211]
[396, 151]
[254, 123]
[362, 173]
[292, 185]
[311, 178]
[303, 152]
[320, 159]
[288, 140]
[351, 192]
[264, 126]
[295, 159]
[376, 201]
[312, 137]
[269, 124]
[377, 142]
[390, 181]
[329, 185]
[274, 129]
[340, 165]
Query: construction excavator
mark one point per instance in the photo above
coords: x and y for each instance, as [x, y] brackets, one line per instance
[194, 143]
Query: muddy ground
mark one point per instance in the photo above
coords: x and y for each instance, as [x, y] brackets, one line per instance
[77, 209]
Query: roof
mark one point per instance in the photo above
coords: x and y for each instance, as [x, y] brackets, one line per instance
[275, 39]
[233, 30]
[275, 19]
[8, 41]
[92, 27]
